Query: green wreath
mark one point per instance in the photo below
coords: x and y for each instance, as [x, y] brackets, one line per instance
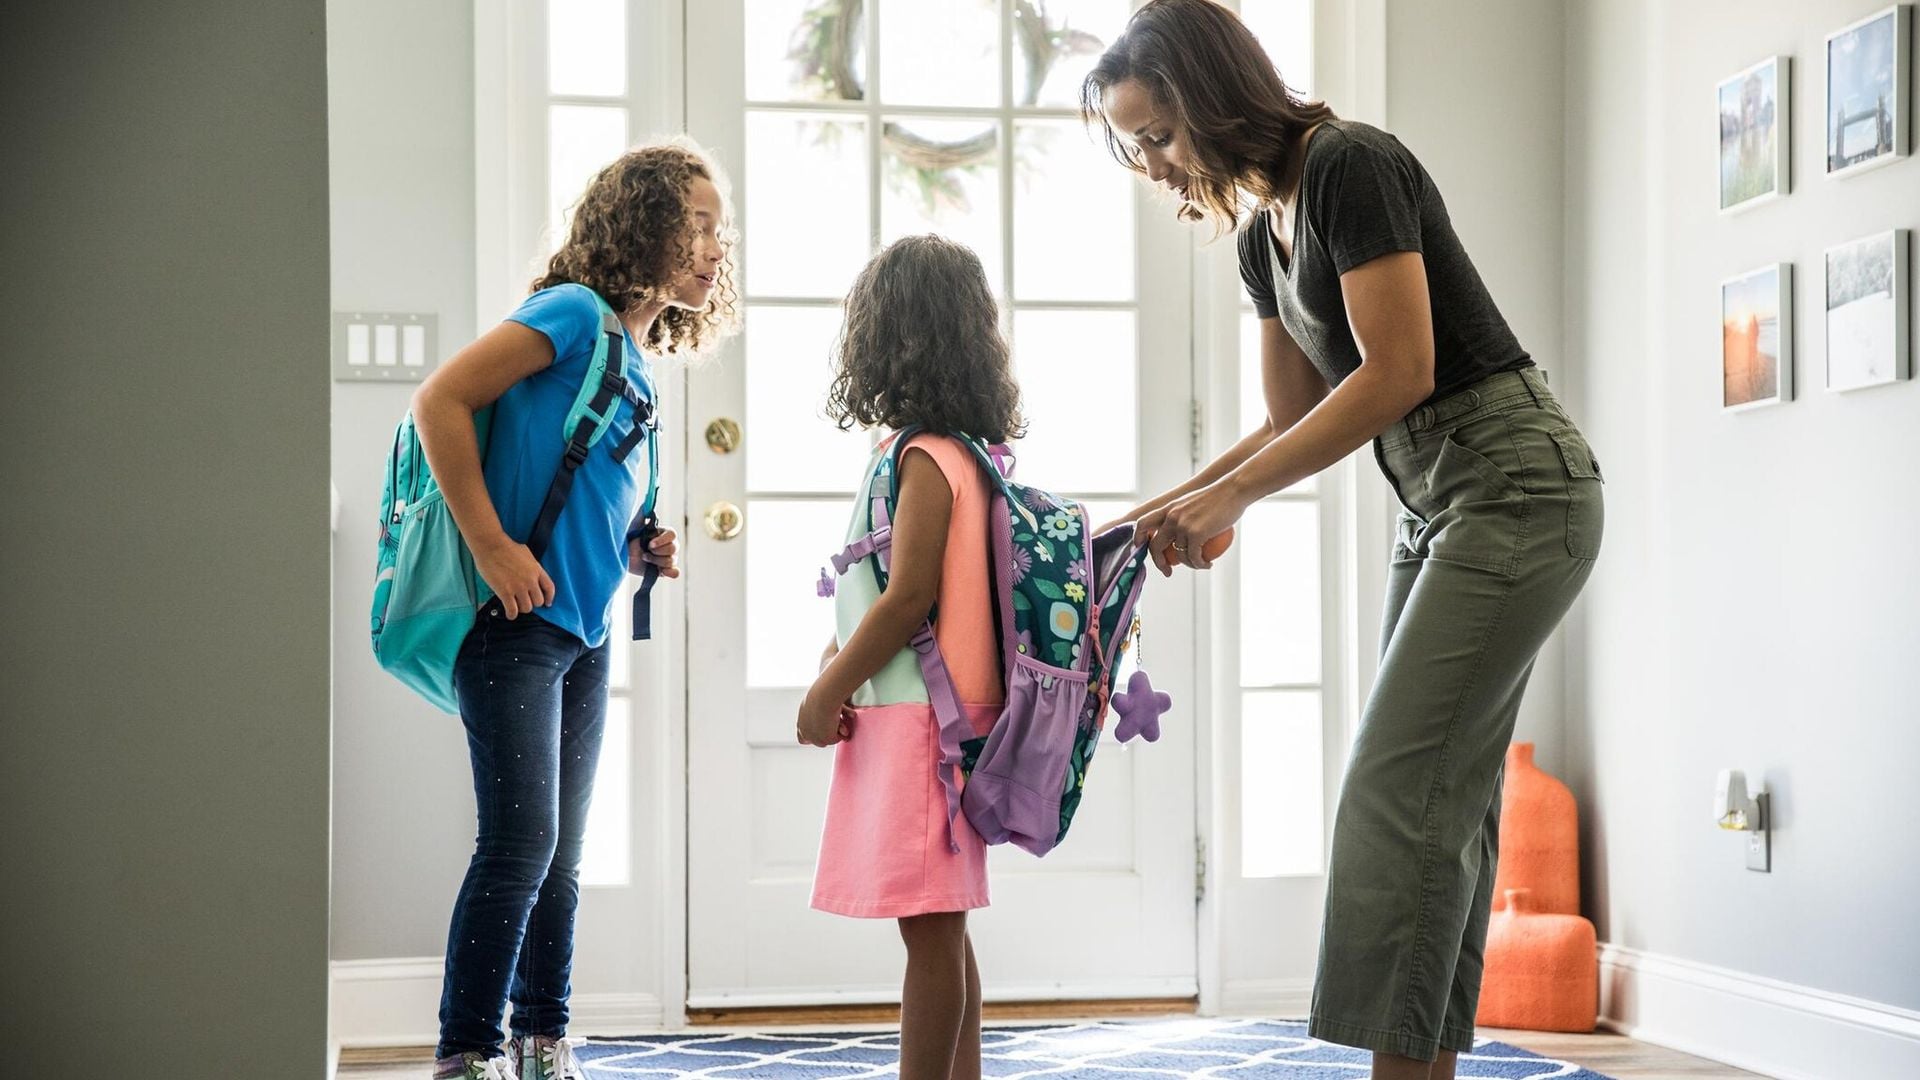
[822, 50]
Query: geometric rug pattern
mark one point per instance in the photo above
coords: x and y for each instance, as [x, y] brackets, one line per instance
[1120, 1050]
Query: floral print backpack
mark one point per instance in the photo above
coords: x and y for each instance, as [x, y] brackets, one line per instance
[1064, 614]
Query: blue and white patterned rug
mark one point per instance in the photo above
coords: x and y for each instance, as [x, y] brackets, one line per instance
[1185, 1047]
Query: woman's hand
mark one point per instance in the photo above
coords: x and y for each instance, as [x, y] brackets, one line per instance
[514, 575]
[661, 551]
[823, 723]
[1175, 532]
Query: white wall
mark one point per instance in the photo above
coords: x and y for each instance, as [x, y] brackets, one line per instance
[400, 117]
[1474, 89]
[1757, 604]
[163, 781]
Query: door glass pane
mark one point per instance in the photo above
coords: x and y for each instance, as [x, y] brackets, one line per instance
[1282, 806]
[581, 140]
[1285, 29]
[1279, 544]
[620, 637]
[1253, 401]
[1072, 216]
[806, 204]
[801, 50]
[788, 623]
[940, 52]
[789, 442]
[943, 176]
[1078, 382]
[606, 853]
[587, 47]
[1056, 43]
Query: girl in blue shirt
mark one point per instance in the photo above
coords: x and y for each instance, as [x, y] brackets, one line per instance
[651, 236]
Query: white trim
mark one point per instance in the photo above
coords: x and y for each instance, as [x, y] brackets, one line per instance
[396, 1002]
[829, 997]
[1752, 1022]
[1284, 999]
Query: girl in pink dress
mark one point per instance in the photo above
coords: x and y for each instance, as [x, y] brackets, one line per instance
[921, 347]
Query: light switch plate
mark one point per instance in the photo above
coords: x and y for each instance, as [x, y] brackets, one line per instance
[370, 346]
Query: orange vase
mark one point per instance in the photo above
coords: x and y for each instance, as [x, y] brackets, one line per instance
[1541, 972]
[1539, 837]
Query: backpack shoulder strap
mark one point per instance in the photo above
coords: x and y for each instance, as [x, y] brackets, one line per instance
[594, 408]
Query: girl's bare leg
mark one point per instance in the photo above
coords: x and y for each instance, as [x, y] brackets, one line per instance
[933, 999]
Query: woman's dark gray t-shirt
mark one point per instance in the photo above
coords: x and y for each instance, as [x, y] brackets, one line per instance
[1364, 195]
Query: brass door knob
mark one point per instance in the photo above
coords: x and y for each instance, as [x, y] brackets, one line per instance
[723, 436]
[724, 521]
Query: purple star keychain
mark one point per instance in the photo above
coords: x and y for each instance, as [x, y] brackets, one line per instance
[1139, 708]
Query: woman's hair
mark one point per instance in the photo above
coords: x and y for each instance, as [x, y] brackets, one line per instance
[921, 345]
[632, 235]
[1200, 63]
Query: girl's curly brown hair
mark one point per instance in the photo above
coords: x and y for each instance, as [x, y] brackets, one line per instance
[921, 345]
[632, 235]
[1241, 120]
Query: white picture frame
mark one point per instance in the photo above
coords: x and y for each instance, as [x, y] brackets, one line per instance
[1755, 110]
[1866, 122]
[1866, 331]
[1756, 313]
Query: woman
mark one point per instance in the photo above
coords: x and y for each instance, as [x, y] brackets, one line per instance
[1374, 326]
[650, 237]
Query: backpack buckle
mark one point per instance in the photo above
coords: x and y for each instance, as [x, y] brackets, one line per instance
[923, 641]
[576, 452]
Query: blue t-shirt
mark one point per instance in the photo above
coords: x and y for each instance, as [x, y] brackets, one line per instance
[587, 557]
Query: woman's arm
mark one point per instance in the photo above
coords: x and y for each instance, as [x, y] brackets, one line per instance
[443, 411]
[1392, 322]
[913, 584]
[1290, 386]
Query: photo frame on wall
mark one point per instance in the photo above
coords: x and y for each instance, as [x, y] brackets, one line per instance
[1866, 306]
[1756, 338]
[1868, 83]
[1755, 134]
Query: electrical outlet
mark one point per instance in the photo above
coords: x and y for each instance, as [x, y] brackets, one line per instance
[383, 347]
[1760, 840]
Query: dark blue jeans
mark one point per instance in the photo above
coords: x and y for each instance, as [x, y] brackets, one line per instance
[534, 701]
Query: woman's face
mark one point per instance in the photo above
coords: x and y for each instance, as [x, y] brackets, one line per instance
[1144, 128]
[695, 284]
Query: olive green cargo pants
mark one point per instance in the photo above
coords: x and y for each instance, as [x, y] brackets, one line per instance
[1501, 524]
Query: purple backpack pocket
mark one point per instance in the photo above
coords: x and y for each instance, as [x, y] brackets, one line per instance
[1013, 793]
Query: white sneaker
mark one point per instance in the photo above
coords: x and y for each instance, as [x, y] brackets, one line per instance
[474, 1065]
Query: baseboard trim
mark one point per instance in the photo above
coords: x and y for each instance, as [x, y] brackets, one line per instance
[1287, 999]
[1762, 1025]
[396, 1002]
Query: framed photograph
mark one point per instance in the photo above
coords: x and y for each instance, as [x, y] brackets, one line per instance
[1754, 134]
[1867, 311]
[1756, 338]
[1867, 91]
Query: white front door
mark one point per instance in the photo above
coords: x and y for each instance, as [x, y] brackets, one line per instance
[918, 117]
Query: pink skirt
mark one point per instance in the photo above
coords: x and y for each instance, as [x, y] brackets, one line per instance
[883, 849]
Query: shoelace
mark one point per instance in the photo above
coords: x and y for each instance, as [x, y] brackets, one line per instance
[559, 1060]
[492, 1069]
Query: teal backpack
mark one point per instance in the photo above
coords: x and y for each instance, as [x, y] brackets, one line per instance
[426, 589]
[1064, 614]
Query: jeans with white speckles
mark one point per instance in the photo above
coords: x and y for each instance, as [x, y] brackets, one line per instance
[534, 701]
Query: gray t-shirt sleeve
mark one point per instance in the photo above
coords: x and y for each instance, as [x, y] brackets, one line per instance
[1256, 266]
[1363, 200]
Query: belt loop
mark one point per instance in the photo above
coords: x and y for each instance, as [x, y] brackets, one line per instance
[1526, 379]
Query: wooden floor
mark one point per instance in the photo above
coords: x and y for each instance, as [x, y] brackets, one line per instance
[1610, 1055]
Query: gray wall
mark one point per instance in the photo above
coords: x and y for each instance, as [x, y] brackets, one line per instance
[164, 774]
[1475, 90]
[1756, 603]
[400, 100]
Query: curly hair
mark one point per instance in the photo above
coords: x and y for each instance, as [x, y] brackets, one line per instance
[921, 345]
[632, 236]
[1241, 120]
